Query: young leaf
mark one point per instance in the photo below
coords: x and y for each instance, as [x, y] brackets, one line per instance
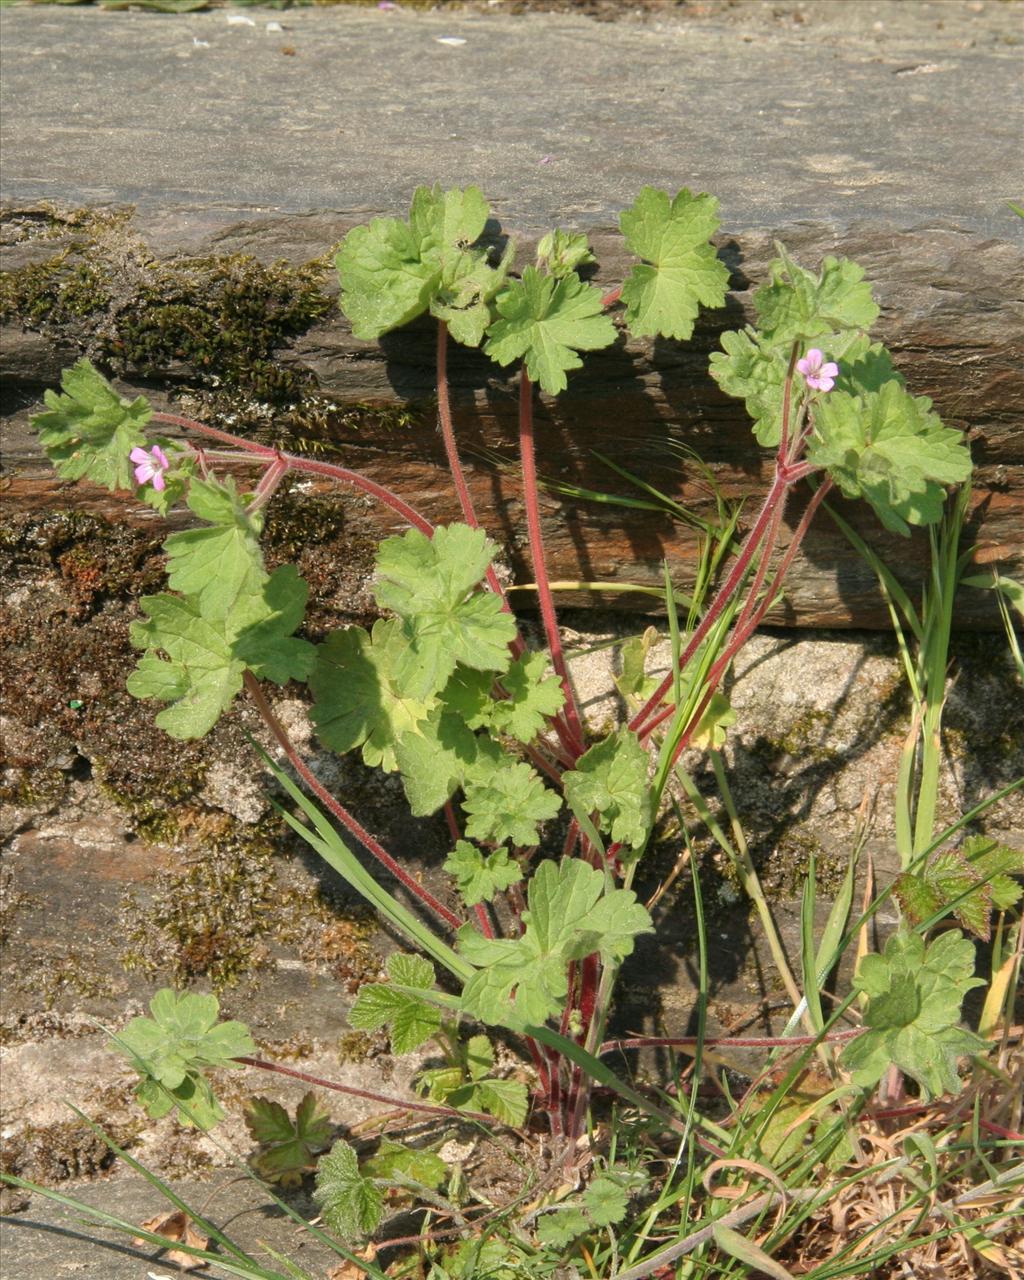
[562, 252]
[532, 696]
[481, 876]
[288, 1146]
[438, 757]
[559, 1228]
[798, 306]
[221, 564]
[508, 805]
[385, 281]
[202, 676]
[605, 1200]
[888, 447]
[914, 995]
[571, 914]
[266, 644]
[684, 272]
[753, 370]
[89, 431]
[359, 696]
[546, 321]
[392, 271]
[429, 583]
[173, 1047]
[351, 1205]
[411, 1021]
[611, 780]
[506, 1100]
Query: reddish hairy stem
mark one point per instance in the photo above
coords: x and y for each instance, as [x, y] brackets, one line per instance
[572, 732]
[743, 633]
[296, 463]
[398, 1103]
[355, 828]
[444, 419]
[787, 392]
[728, 590]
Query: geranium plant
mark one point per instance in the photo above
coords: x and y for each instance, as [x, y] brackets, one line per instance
[547, 822]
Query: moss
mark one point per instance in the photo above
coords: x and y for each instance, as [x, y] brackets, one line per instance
[341, 944]
[71, 974]
[12, 900]
[212, 919]
[53, 292]
[803, 739]
[221, 315]
[56, 1153]
[784, 868]
[222, 918]
[362, 1046]
[48, 221]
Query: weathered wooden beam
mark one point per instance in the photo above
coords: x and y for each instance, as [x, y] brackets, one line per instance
[160, 205]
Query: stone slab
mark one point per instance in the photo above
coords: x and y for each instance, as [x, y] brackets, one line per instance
[844, 112]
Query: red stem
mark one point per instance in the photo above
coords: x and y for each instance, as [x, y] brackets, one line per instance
[398, 1103]
[729, 589]
[369, 842]
[572, 733]
[741, 635]
[297, 463]
[444, 419]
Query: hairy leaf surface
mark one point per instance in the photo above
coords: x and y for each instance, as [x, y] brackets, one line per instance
[546, 321]
[681, 272]
[571, 914]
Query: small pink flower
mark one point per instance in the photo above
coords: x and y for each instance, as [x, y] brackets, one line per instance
[150, 466]
[819, 376]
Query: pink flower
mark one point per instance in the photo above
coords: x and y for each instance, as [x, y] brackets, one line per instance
[150, 466]
[819, 376]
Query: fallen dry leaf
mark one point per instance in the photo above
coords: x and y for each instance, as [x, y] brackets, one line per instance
[352, 1270]
[176, 1226]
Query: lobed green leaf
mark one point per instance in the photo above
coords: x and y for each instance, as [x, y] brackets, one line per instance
[481, 876]
[89, 431]
[571, 913]
[684, 272]
[351, 1205]
[611, 781]
[914, 992]
[546, 321]
[891, 449]
[392, 271]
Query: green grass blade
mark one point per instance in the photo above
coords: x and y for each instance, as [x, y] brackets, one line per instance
[808, 954]
[336, 854]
